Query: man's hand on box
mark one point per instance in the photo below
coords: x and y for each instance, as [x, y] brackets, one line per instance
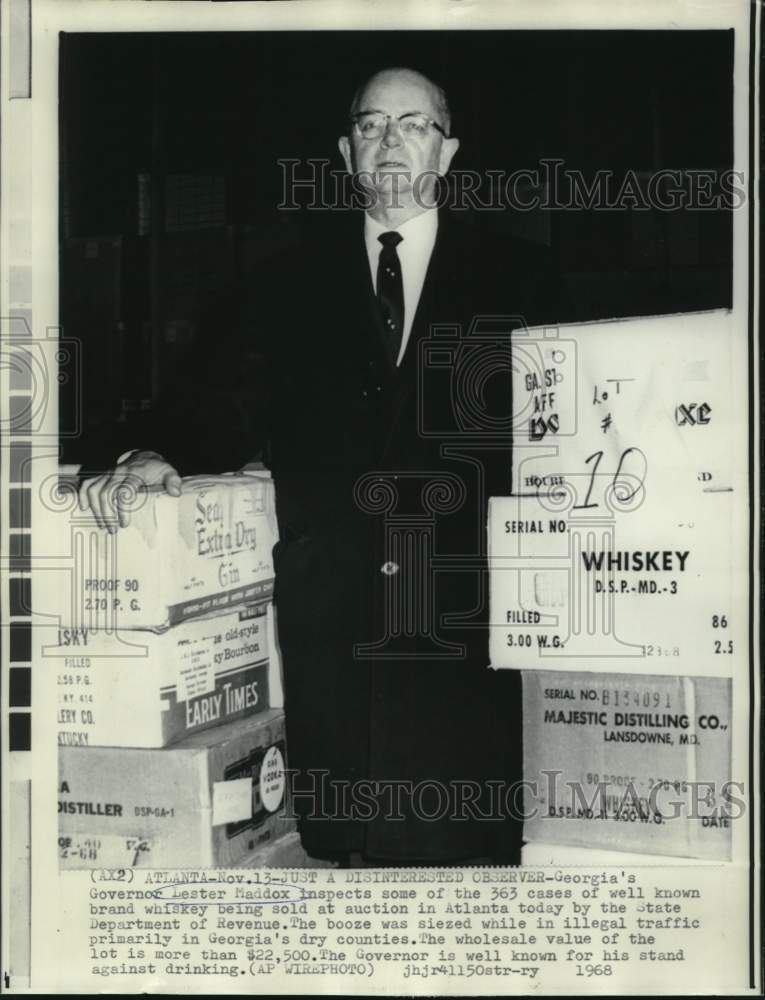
[110, 496]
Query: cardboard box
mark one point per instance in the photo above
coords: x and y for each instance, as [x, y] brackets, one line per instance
[180, 558]
[148, 689]
[629, 763]
[626, 541]
[206, 803]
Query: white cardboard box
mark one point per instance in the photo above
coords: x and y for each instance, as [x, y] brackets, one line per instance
[625, 543]
[181, 557]
[624, 762]
[207, 802]
[148, 689]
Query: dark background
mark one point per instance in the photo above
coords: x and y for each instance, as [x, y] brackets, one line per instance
[170, 181]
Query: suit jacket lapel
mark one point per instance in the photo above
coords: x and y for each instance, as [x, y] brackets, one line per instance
[434, 296]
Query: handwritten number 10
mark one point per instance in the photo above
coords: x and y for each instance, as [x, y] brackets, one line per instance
[598, 455]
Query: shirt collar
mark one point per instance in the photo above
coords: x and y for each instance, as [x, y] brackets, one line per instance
[420, 230]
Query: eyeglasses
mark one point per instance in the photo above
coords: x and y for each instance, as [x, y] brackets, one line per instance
[413, 125]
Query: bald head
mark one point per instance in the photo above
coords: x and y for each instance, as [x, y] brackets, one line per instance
[410, 86]
[397, 164]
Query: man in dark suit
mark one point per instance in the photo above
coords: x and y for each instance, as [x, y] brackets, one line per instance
[388, 428]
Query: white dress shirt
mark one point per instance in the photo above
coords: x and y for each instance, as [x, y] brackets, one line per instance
[414, 250]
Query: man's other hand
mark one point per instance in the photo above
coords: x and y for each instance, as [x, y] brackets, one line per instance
[109, 496]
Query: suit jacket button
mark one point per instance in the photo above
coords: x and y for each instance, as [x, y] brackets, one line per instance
[389, 568]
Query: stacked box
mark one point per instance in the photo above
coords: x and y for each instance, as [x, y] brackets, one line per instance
[148, 689]
[209, 801]
[159, 636]
[622, 762]
[170, 753]
[185, 557]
